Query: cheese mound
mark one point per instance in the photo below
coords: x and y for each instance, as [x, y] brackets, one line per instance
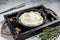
[31, 19]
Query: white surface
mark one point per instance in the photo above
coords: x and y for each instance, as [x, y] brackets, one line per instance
[4, 5]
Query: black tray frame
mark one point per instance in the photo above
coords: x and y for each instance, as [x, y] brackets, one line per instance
[32, 32]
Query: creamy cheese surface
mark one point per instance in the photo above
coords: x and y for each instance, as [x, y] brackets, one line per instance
[30, 19]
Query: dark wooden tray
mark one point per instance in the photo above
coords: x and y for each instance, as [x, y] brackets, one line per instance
[28, 32]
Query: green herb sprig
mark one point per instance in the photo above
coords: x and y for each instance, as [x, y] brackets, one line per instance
[49, 33]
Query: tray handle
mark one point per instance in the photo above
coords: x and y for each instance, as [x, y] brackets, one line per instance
[2, 29]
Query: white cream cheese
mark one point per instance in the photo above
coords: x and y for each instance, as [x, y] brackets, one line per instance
[31, 19]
